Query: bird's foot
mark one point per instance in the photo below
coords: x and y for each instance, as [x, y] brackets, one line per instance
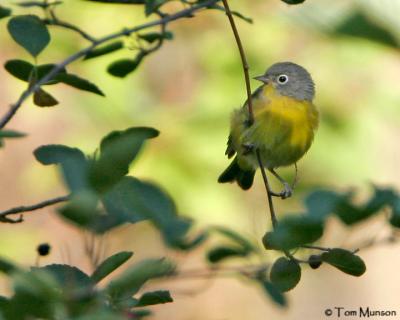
[286, 192]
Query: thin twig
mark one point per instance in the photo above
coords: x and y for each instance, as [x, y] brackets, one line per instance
[22, 209]
[126, 32]
[244, 60]
[66, 25]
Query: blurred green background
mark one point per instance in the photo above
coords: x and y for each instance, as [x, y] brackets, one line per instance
[187, 90]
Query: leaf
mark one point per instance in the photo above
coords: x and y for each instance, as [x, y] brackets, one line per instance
[120, 1]
[154, 297]
[42, 98]
[154, 36]
[322, 203]
[223, 252]
[10, 134]
[19, 69]
[73, 163]
[117, 150]
[6, 266]
[110, 264]
[273, 293]
[100, 51]
[293, 1]
[292, 232]
[244, 243]
[4, 12]
[121, 68]
[133, 200]
[29, 4]
[152, 5]
[395, 217]
[29, 32]
[136, 276]
[68, 277]
[82, 209]
[78, 83]
[361, 26]
[285, 274]
[345, 261]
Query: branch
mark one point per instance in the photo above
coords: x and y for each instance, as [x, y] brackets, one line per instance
[270, 194]
[21, 209]
[126, 32]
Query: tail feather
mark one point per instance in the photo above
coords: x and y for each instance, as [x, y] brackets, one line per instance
[233, 173]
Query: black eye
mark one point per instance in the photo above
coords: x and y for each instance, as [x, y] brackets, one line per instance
[283, 78]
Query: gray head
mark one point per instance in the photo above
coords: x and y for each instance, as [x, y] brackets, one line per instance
[290, 79]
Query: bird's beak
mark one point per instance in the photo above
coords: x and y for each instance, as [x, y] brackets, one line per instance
[262, 78]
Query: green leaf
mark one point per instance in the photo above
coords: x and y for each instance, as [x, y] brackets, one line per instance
[285, 274]
[82, 209]
[68, 277]
[361, 26]
[78, 83]
[395, 217]
[19, 69]
[117, 150]
[6, 266]
[110, 264]
[120, 1]
[11, 134]
[293, 1]
[153, 5]
[244, 243]
[133, 200]
[155, 36]
[73, 163]
[322, 203]
[292, 232]
[218, 254]
[273, 293]
[42, 98]
[136, 276]
[29, 4]
[121, 68]
[345, 261]
[103, 50]
[4, 12]
[29, 32]
[154, 297]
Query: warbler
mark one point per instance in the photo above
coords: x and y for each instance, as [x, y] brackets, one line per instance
[285, 120]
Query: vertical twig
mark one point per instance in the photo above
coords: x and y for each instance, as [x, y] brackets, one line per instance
[250, 107]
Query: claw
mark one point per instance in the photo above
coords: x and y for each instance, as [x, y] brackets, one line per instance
[287, 191]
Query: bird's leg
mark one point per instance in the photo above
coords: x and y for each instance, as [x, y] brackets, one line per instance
[288, 190]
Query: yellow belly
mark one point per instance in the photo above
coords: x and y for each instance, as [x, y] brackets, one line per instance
[283, 130]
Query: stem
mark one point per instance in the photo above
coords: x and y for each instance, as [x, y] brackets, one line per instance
[21, 209]
[184, 13]
[244, 61]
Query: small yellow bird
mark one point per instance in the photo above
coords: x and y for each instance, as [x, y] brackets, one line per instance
[283, 130]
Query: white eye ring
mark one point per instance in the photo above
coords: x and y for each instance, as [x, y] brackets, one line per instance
[282, 79]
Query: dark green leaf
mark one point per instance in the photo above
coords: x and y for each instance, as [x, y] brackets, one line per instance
[4, 12]
[395, 217]
[244, 243]
[29, 32]
[121, 68]
[360, 25]
[292, 232]
[117, 151]
[73, 163]
[154, 297]
[136, 276]
[68, 277]
[120, 1]
[293, 1]
[322, 203]
[221, 253]
[153, 5]
[42, 98]
[285, 274]
[29, 4]
[7, 267]
[100, 51]
[11, 134]
[110, 264]
[273, 293]
[78, 83]
[345, 261]
[154, 36]
[82, 209]
[19, 69]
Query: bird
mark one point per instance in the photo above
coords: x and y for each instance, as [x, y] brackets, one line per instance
[282, 128]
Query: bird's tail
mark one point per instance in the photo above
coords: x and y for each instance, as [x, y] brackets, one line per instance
[244, 178]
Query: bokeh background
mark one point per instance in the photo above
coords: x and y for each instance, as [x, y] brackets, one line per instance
[187, 90]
